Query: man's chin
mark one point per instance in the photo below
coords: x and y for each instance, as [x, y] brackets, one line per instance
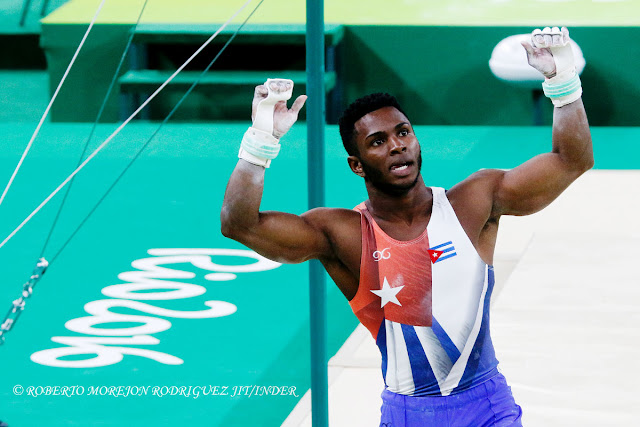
[376, 179]
[396, 189]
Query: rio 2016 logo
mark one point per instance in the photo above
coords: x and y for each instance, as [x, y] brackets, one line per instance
[151, 280]
[383, 254]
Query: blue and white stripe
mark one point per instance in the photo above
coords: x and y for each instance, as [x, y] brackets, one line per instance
[455, 352]
[416, 358]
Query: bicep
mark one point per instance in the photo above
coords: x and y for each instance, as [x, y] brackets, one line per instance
[533, 185]
[286, 238]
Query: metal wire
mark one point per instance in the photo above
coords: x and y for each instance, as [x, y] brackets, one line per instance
[146, 144]
[53, 98]
[117, 131]
[114, 79]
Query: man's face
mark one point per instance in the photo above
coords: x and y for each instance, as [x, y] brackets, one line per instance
[390, 157]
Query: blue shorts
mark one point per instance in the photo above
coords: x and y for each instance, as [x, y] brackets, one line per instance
[488, 404]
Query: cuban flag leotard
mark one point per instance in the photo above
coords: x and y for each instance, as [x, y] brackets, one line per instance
[426, 303]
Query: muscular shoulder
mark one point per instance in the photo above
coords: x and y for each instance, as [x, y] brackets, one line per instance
[476, 193]
[342, 229]
[334, 222]
[473, 202]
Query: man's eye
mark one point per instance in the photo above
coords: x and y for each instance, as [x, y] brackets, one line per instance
[376, 142]
[404, 132]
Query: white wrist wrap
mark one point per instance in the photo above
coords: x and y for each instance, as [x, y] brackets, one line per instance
[563, 91]
[259, 146]
[565, 87]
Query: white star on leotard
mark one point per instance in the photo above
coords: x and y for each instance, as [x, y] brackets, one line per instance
[388, 294]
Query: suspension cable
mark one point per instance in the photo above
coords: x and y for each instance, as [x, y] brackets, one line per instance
[114, 79]
[18, 305]
[117, 131]
[148, 141]
[53, 98]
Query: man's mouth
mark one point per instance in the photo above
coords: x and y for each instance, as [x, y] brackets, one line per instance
[400, 168]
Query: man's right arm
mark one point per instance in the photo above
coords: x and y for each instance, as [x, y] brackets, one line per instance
[279, 236]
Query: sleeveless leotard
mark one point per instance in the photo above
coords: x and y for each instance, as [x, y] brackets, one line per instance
[426, 303]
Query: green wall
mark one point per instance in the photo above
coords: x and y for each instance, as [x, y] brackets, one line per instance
[86, 85]
[440, 74]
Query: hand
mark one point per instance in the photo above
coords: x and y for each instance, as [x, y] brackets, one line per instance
[283, 117]
[550, 51]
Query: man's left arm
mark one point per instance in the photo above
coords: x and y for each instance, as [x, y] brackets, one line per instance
[536, 183]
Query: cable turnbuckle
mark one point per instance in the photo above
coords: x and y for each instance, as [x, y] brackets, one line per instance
[17, 306]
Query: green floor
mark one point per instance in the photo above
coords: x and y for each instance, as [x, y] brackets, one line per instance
[171, 198]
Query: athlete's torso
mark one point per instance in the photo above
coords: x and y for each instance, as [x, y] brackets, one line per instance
[426, 302]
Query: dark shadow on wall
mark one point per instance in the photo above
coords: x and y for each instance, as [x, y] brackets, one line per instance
[366, 71]
[495, 103]
[442, 74]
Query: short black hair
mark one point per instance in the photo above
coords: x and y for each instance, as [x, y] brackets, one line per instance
[358, 109]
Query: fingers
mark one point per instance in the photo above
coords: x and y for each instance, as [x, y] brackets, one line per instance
[298, 104]
[565, 35]
[556, 36]
[527, 46]
[274, 94]
[549, 37]
[280, 85]
[537, 38]
[281, 106]
[261, 92]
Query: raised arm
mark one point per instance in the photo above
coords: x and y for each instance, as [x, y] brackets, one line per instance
[536, 183]
[278, 236]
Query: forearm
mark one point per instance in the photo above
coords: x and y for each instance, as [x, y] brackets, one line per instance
[534, 184]
[571, 136]
[551, 53]
[240, 217]
[241, 205]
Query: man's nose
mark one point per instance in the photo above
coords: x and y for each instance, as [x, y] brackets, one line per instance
[397, 145]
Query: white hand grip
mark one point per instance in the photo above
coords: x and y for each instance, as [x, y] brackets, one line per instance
[279, 90]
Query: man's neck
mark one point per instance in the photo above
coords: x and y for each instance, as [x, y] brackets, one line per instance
[407, 207]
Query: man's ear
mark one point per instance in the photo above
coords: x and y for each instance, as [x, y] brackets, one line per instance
[356, 166]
